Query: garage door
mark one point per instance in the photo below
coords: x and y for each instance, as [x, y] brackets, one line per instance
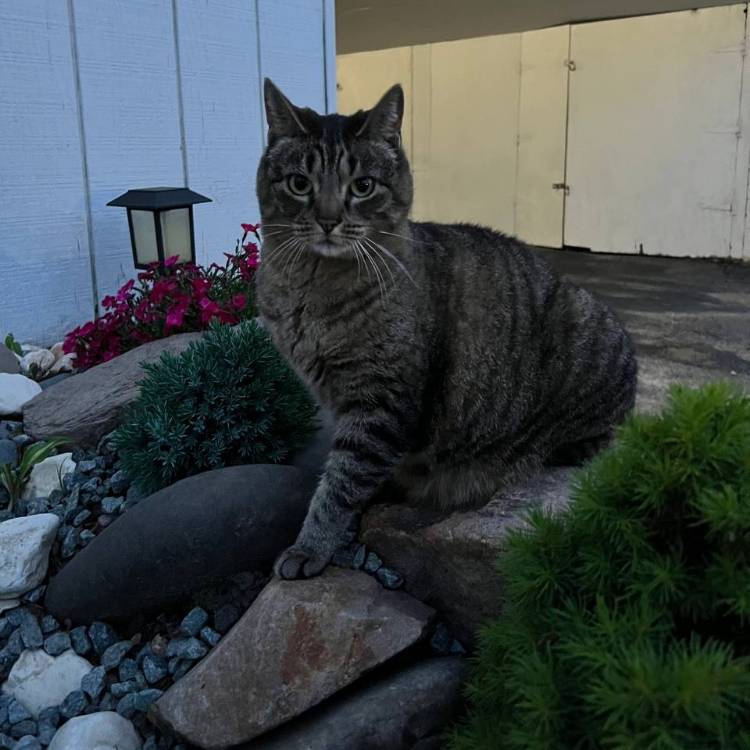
[653, 133]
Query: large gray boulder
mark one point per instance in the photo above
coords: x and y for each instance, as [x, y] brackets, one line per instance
[299, 643]
[396, 711]
[450, 561]
[183, 538]
[86, 406]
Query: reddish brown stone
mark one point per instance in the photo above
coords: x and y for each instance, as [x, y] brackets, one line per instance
[299, 643]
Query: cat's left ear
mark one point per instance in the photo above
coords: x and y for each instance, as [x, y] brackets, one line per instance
[384, 119]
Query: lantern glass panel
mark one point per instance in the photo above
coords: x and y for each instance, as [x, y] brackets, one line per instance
[175, 232]
[144, 235]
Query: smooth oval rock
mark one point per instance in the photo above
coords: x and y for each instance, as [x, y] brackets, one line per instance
[182, 539]
[24, 552]
[105, 730]
[299, 643]
[393, 712]
[15, 392]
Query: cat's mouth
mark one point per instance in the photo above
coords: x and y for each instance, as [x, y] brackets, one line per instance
[330, 247]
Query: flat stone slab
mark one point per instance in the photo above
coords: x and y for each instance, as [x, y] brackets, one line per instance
[183, 538]
[393, 712]
[86, 406]
[299, 643]
[450, 561]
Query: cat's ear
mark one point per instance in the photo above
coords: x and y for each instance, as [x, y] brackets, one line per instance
[283, 117]
[384, 119]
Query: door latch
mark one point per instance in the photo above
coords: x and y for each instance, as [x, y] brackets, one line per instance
[561, 186]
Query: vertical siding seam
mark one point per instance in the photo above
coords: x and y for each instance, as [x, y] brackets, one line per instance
[567, 134]
[741, 124]
[325, 59]
[84, 155]
[518, 132]
[260, 77]
[329, 55]
[180, 100]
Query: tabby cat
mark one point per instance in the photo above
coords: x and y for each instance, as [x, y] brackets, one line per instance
[452, 356]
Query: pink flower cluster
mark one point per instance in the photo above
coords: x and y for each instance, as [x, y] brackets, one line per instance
[175, 298]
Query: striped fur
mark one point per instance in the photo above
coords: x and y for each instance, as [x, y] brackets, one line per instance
[453, 357]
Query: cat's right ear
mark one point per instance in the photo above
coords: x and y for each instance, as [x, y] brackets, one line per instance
[282, 116]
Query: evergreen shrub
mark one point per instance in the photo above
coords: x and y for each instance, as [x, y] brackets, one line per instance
[626, 623]
[228, 399]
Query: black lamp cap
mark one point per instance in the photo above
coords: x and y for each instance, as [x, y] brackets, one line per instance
[158, 198]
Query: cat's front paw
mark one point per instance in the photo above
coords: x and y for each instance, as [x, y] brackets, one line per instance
[300, 562]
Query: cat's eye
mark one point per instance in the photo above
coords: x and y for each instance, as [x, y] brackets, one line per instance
[298, 184]
[362, 187]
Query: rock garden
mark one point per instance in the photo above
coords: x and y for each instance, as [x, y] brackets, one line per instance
[145, 497]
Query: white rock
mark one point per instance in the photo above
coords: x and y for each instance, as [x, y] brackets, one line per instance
[24, 552]
[37, 363]
[15, 391]
[6, 604]
[105, 730]
[65, 363]
[39, 680]
[46, 476]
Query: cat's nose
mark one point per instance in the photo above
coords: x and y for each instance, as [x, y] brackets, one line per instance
[328, 225]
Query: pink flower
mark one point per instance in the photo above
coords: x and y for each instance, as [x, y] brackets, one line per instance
[201, 286]
[109, 302]
[239, 301]
[87, 329]
[246, 228]
[172, 260]
[122, 295]
[161, 289]
[175, 316]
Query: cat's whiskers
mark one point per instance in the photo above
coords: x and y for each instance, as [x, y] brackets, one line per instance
[378, 274]
[403, 237]
[379, 256]
[395, 260]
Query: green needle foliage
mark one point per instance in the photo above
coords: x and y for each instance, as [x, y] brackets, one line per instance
[228, 399]
[627, 624]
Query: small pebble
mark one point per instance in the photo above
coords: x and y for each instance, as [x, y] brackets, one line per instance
[45, 733]
[107, 703]
[145, 698]
[80, 641]
[5, 627]
[31, 633]
[49, 624]
[126, 706]
[28, 742]
[127, 670]
[119, 483]
[102, 636]
[225, 617]
[86, 536]
[441, 640]
[14, 645]
[104, 520]
[82, 517]
[94, 682]
[86, 467]
[186, 648]
[23, 728]
[210, 636]
[6, 743]
[149, 744]
[155, 668]
[15, 616]
[17, 712]
[182, 668]
[194, 620]
[74, 704]
[91, 486]
[69, 543]
[112, 657]
[359, 557]
[372, 563]
[50, 715]
[112, 505]
[35, 595]
[57, 643]
[389, 578]
[120, 689]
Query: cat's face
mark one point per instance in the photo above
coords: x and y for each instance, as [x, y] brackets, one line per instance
[330, 184]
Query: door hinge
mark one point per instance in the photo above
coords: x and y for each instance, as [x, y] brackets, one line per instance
[570, 64]
[561, 186]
